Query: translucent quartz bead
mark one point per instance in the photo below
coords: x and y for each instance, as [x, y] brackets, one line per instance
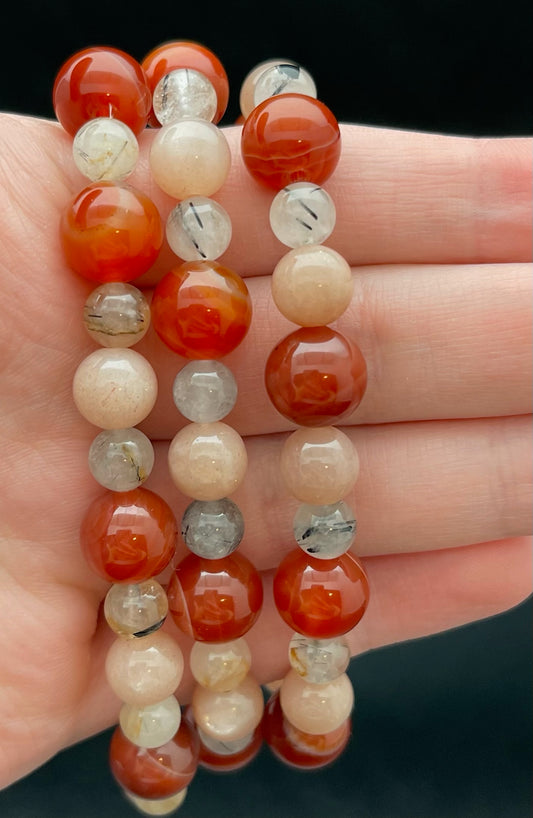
[324, 532]
[212, 529]
[157, 806]
[220, 666]
[316, 376]
[312, 285]
[201, 310]
[313, 708]
[215, 600]
[198, 228]
[153, 724]
[116, 315]
[105, 148]
[136, 609]
[246, 94]
[283, 78]
[114, 388]
[231, 715]
[184, 92]
[144, 671]
[207, 461]
[319, 466]
[318, 660]
[121, 459]
[128, 536]
[190, 157]
[226, 756]
[302, 213]
[320, 598]
[205, 391]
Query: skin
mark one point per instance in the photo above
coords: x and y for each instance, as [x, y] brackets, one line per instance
[438, 230]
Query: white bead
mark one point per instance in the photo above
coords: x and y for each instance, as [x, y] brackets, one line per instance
[316, 708]
[198, 228]
[221, 666]
[121, 459]
[105, 148]
[229, 716]
[302, 213]
[283, 78]
[204, 391]
[318, 660]
[151, 725]
[324, 532]
[144, 671]
[184, 93]
[246, 94]
[157, 806]
[225, 748]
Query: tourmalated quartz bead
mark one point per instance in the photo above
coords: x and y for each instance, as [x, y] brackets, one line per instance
[319, 466]
[144, 671]
[324, 532]
[157, 806]
[212, 529]
[128, 536]
[290, 138]
[283, 78]
[231, 715]
[105, 148]
[201, 309]
[226, 756]
[158, 772]
[247, 91]
[316, 376]
[205, 391]
[312, 285]
[98, 82]
[190, 157]
[114, 388]
[302, 213]
[320, 598]
[116, 314]
[121, 459]
[111, 232]
[220, 666]
[215, 600]
[152, 724]
[315, 708]
[318, 660]
[136, 609]
[198, 228]
[184, 92]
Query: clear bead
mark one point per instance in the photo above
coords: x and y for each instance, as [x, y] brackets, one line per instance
[225, 748]
[198, 228]
[221, 666]
[184, 93]
[121, 459]
[325, 532]
[302, 213]
[116, 315]
[213, 528]
[136, 609]
[204, 391]
[105, 149]
[151, 725]
[246, 94]
[284, 78]
[319, 660]
[157, 806]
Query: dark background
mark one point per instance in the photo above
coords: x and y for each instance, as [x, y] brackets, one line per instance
[443, 725]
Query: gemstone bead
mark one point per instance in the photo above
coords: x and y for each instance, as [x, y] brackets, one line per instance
[314, 708]
[201, 310]
[116, 315]
[156, 806]
[136, 609]
[128, 536]
[247, 90]
[184, 92]
[212, 529]
[144, 671]
[215, 600]
[226, 756]
[315, 376]
[231, 715]
[205, 391]
[283, 78]
[318, 660]
[302, 213]
[121, 459]
[320, 598]
[324, 532]
[153, 724]
[220, 666]
[198, 229]
[105, 149]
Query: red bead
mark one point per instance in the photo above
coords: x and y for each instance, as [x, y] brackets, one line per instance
[101, 82]
[291, 138]
[201, 309]
[215, 600]
[231, 761]
[315, 376]
[299, 749]
[320, 598]
[111, 232]
[158, 772]
[128, 536]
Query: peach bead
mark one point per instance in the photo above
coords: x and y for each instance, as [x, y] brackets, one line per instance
[144, 671]
[312, 285]
[231, 715]
[220, 666]
[319, 465]
[316, 708]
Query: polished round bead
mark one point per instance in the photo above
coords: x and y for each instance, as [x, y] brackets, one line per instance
[324, 532]
[319, 466]
[144, 671]
[136, 609]
[302, 213]
[121, 459]
[231, 715]
[225, 756]
[220, 666]
[114, 388]
[215, 600]
[320, 598]
[128, 536]
[184, 92]
[313, 708]
[312, 285]
[283, 78]
[290, 138]
[198, 228]
[247, 90]
[152, 724]
[207, 461]
[213, 528]
[205, 391]
[116, 315]
[157, 806]
[101, 82]
[111, 232]
[190, 157]
[318, 660]
[105, 148]
[202, 310]
[316, 376]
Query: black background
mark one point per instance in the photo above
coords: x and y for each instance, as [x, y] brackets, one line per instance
[442, 726]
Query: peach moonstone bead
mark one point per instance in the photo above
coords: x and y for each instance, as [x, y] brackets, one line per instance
[316, 708]
[221, 666]
[231, 715]
[144, 671]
